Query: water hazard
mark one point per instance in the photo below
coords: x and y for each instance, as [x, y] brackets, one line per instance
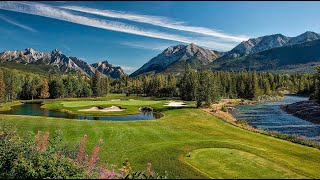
[36, 110]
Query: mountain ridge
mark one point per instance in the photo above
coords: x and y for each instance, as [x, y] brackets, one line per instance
[173, 59]
[303, 56]
[263, 43]
[55, 58]
[175, 56]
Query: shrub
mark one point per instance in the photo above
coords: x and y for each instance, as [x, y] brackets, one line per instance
[224, 108]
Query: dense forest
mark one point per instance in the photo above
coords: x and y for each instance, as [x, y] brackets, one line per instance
[204, 87]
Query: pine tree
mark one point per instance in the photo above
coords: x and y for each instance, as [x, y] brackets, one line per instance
[33, 88]
[171, 85]
[205, 89]
[15, 86]
[44, 93]
[317, 84]
[96, 84]
[26, 88]
[253, 84]
[56, 88]
[2, 87]
[267, 87]
[189, 84]
[215, 87]
[106, 86]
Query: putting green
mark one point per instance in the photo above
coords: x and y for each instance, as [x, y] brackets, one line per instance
[95, 103]
[233, 163]
[74, 107]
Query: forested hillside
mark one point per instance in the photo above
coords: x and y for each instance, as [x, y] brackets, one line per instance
[202, 86]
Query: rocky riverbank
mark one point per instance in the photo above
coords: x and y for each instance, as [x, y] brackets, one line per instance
[307, 110]
[221, 108]
[267, 98]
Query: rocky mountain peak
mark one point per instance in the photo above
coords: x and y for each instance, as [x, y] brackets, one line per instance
[108, 69]
[104, 62]
[56, 58]
[305, 37]
[192, 49]
[309, 33]
[259, 44]
[173, 49]
[29, 51]
[175, 56]
[56, 51]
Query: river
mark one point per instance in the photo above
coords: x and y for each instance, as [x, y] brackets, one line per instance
[269, 116]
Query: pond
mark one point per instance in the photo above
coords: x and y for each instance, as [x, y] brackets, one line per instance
[36, 110]
[270, 116]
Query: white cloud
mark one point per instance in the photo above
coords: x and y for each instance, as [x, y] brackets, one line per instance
[17, 24]
[145, 45]
[158, 21]
[64, 15]
[127, 69]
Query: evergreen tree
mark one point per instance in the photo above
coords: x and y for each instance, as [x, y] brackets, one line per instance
[34, 83]
[26, 88]
[267, 87]
[2, 87]
[96, 84]
[317, 84]
[215, 87]
[44, 93]
[189, 84]
[56, 88]
[253, 85]
[205, 89]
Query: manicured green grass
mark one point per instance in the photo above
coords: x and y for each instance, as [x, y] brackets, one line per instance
[75, 107]
[166, 142]
[233, 163]
[7, 106]
[131, 104]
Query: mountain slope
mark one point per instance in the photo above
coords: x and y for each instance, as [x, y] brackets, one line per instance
[305, 37]
[256, 45]
[303, 56]
[53, 62]
[173, 59]
[108, 69]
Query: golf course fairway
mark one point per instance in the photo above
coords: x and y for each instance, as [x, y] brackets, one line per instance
[218, 149]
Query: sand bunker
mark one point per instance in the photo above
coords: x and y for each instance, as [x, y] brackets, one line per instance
[108, 109]
[175, 104]
[116, 100]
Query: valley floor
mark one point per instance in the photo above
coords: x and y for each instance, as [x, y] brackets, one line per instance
[217, 149]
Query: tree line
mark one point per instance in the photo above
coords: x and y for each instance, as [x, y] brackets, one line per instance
[208, 86]
[316, 94]
[16, 85]
[202, 86]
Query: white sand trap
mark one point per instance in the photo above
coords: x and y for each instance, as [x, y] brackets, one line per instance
[91, 109]
[116, 100]
[175, 104]
[108, 109]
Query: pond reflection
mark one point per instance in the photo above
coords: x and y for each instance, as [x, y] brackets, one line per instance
[36, 110]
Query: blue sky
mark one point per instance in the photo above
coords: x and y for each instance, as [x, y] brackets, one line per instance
[131, 33]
